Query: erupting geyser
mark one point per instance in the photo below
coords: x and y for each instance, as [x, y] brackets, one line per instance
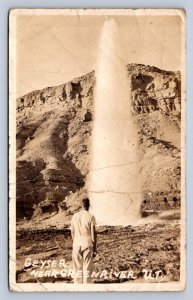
[113, 181]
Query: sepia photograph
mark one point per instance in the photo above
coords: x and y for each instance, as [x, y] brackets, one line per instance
[97, 150]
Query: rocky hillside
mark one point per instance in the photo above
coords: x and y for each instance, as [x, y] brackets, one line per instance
[157, 107]
[54, 128]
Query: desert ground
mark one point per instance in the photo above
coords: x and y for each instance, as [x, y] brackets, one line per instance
[151, 245]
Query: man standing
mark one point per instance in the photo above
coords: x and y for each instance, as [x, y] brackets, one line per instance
[84, 243]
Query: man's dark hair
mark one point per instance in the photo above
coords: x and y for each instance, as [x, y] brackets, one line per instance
[86, 203]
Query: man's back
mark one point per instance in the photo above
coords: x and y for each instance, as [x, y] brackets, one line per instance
[84, 243]
[82, 229]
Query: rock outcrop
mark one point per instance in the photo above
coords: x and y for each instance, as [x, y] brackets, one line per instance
[156, 103]
[154, 89]
[53, 136]
[54, 128]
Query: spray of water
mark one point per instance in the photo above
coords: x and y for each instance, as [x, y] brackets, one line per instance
[113, 181]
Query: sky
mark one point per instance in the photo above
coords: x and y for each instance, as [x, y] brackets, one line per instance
[53, 49]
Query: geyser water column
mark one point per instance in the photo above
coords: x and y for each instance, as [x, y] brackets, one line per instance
[113, 181]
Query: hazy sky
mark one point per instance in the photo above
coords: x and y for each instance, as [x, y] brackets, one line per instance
[52, 50]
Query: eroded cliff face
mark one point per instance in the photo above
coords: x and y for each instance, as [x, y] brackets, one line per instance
[54, 128]
[53, 136]
[156, 99]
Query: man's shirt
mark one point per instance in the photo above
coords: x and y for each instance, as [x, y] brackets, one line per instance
[81, 227]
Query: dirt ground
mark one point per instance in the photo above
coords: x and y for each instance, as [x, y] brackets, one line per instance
[149, 247]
